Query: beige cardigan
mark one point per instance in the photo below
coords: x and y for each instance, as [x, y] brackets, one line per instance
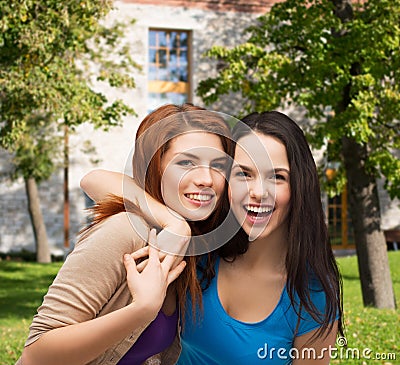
[92, 283]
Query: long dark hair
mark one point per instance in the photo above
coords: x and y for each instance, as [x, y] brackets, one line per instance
[309, 255]
[153, 138]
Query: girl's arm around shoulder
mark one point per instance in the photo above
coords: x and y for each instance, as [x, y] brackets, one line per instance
[67, 328]
[83, 342]
[100, 183]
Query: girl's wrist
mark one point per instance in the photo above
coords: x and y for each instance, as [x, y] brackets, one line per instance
[146, 311]
[174, 237]
[178, 226]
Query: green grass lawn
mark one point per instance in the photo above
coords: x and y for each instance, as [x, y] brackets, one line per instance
[374, 332]
[22, 286]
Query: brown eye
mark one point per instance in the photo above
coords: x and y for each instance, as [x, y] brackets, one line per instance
[281, 177]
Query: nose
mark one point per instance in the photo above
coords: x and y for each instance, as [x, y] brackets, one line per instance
[203, 176]
[258, 190]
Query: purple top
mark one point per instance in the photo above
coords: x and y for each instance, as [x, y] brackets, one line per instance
[154, 339]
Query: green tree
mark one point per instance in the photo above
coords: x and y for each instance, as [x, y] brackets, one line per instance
[339, 61]
[51, 52]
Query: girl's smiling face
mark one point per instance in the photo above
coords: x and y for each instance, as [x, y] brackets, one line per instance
[193, 178]
[259, 187]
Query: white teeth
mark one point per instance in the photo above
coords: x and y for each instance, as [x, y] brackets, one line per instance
[200, 197]
[255, 209]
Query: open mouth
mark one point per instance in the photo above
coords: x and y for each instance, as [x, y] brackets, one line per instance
[258, 213]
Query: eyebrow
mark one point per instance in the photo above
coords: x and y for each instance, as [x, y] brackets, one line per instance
[241, 167]
[248, 169]
[187, 154]
[279, 169]
[191, 155]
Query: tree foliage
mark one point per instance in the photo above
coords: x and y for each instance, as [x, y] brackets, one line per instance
[51, 52]
[340, 61]
[346, 74]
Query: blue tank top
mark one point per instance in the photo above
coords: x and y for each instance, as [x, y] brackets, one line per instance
[218, 339]
[158, 336]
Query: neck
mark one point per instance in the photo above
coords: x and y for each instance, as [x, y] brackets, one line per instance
[265, 255]
[267, 251]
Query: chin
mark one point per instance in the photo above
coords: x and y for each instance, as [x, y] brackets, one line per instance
[256, 234]
[198, 218]
[191, 216]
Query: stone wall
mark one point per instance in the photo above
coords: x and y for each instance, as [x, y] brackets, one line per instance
[248, 6]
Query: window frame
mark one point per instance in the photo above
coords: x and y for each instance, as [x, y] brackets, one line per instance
[166, 86]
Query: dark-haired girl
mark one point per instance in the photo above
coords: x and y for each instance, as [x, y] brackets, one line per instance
[273, 293]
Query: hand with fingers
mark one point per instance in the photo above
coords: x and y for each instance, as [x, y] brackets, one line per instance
[177, 251]
[149, 286]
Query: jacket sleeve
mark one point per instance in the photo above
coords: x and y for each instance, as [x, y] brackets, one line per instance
[91, 274]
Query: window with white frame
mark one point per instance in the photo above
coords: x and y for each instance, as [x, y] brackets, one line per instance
[168, 67]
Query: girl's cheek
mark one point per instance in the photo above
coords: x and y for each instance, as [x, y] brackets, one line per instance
[237, 191]
[221, 182]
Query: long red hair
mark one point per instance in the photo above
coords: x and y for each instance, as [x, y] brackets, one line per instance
[153, 139]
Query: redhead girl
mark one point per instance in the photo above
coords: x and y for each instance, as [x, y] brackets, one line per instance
[272, 294]
[96, 313]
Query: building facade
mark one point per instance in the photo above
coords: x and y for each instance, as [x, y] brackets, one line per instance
[168, 38]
